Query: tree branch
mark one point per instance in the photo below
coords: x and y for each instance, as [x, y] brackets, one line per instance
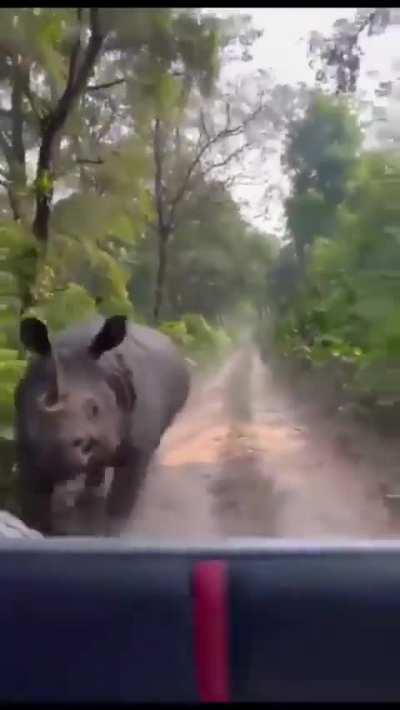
[78, 77]
[203, 125]
[195, 162]
[17, 118]
[107, 125]
[54, 122]
[228, 114]
[89, 161]
[75, 53]
[15, 156]
[228, 159]
[5, 147]
[221, 135]
[106, 85]
[33, 103]
[158, 175]
[7, 113]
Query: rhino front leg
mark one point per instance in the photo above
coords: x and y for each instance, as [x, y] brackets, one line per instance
[93, 487]
[125, 487]
[35, 500]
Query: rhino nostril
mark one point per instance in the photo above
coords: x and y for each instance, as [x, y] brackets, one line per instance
[87, 447]
[84, 445]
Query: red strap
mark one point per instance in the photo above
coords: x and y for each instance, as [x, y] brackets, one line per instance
[212, 631]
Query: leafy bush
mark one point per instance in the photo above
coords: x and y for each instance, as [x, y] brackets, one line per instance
[346, 316]
[177, 331]
[17, 264]
[65, 307]
[198, 339]
[210, 343]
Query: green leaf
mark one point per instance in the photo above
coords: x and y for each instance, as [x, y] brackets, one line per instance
[72, 305]
[8, 354]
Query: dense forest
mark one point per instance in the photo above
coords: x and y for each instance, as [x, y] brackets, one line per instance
[120, 148]
[334, 288]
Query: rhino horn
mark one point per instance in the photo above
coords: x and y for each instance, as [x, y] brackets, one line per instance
[53, 399]
[60, 378]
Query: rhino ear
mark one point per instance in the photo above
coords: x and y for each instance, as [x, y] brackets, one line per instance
[34, 336]
[110, 336]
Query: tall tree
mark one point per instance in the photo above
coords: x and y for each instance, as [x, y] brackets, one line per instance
[82, 59]
[320, 154]
[170, 87]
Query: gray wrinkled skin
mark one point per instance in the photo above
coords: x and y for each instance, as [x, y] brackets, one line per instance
[76, 414]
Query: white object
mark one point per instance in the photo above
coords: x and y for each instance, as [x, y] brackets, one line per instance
[11, 526]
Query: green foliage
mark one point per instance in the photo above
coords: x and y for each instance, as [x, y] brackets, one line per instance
[208, 343]
[17, 263]
[44, 183]
[11, 370]
[200, 341]
[178, 333]
[206, 273]
[321, 147]
[18, 255]
[66, 307]
[346, 310]
[320, 156]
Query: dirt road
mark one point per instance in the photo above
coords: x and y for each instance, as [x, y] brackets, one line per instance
[245, 459]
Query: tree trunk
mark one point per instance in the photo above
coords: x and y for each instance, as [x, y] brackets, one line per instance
[14, 204]
[299, 250]
[79, 72]
[44, 192]
[164, 225]
[163, 237]
[174, 296]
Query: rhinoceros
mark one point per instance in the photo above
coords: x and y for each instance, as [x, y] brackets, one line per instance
[99, 395]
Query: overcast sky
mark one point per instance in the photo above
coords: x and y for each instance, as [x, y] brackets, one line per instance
[282, 50]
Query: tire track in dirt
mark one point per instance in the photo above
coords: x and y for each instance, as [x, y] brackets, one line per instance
[208, 470]
[323, 491]
[245, 501]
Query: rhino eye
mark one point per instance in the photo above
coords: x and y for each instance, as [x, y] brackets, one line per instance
[92, 409]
